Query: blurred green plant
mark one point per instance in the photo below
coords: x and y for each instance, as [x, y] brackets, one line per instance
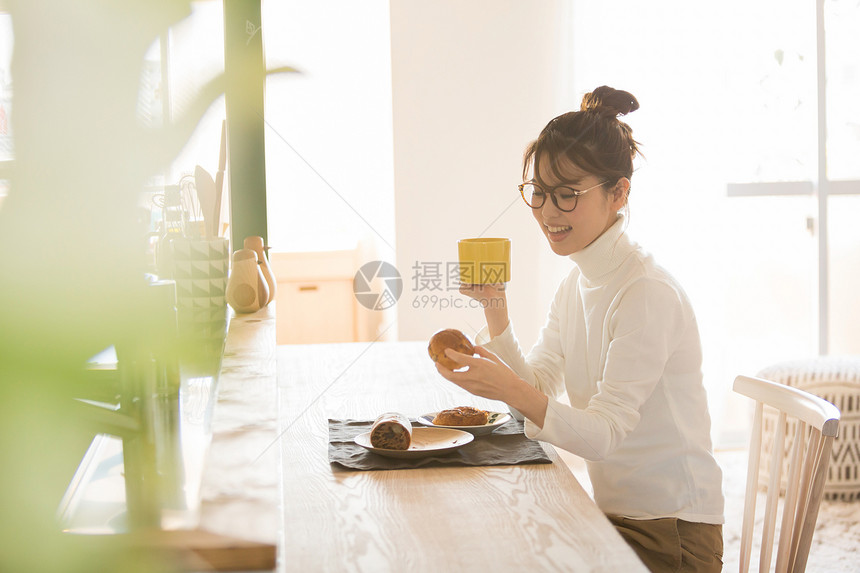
[72, 250]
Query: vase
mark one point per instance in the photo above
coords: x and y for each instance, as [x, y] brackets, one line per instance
[247, 289]
[256, 245]
[199, 268]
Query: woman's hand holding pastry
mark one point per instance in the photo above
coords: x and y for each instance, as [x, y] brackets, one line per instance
[487, 375]
[491, 378]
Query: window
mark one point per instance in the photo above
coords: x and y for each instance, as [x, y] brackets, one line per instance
[174, 70]
[329, 158]
[736, 196]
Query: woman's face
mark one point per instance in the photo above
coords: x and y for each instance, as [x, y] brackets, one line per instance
[596, 210]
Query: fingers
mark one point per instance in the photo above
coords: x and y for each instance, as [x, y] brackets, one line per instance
[465, 379]
[461, 379]
[459, 357]
[463, 360]
[445, 372]
[477, 292]
[482, 292]
[485, 376]
[484, 353]
[469, 360]
[467, 289]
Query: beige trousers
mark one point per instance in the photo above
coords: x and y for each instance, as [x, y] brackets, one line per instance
[671, 544]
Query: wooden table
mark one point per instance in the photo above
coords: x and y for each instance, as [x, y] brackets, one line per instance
[439, 519]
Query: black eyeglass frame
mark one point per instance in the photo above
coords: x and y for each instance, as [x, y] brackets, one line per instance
[552, 193]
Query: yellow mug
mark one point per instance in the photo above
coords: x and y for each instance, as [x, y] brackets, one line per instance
[485, 261]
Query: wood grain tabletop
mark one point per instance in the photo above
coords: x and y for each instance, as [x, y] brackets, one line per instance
[498, 518]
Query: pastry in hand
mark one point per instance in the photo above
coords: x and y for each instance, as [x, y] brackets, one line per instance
[462, 416]
[449, 338]
[391, 431]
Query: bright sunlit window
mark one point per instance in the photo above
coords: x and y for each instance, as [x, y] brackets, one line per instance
[173, 71]
[329, 162]
[728, 95]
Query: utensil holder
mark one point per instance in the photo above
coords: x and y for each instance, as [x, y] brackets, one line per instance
[200, 270]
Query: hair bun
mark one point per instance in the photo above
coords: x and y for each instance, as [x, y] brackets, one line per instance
[609, 102]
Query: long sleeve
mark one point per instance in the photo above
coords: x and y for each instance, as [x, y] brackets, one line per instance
[543, 368]
[621, 341]
[643, 331]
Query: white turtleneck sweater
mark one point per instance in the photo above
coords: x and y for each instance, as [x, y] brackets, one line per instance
[621, 338]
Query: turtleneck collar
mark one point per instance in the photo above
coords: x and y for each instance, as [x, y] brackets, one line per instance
[606, 253]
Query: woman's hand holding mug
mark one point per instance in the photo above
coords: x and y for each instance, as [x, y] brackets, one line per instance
[485, 269]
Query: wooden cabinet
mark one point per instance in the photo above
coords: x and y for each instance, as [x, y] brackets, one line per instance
[315, 302]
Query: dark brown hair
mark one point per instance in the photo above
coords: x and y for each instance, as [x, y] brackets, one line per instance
[593, 138]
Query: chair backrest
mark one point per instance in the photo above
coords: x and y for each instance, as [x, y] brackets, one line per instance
[815, 423]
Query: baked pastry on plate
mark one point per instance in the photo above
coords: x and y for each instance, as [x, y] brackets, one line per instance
[494, 421]
[391, 431]
[461, 416]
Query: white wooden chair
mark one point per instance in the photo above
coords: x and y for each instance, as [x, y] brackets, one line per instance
[815, 423]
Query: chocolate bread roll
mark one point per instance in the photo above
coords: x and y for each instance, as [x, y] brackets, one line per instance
[391, 431]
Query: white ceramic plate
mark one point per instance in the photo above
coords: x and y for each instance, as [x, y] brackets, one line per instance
[495, 420]
[425, 442]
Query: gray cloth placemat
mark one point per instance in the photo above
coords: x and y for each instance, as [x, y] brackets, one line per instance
[508, 445]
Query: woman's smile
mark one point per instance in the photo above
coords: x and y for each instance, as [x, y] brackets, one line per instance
[557, 233]
[593, 212]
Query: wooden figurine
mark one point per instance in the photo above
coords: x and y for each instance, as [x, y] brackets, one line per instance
[256, 244]
[247, 289]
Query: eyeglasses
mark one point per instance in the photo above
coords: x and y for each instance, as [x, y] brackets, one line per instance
[563, 197]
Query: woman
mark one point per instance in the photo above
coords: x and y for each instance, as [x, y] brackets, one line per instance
[621, 339]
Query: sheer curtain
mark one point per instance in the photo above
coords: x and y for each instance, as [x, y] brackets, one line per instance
[728, 94]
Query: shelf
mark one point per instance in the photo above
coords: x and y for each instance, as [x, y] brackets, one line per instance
[220, 509]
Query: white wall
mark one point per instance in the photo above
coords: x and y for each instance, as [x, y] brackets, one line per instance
[473, 83]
